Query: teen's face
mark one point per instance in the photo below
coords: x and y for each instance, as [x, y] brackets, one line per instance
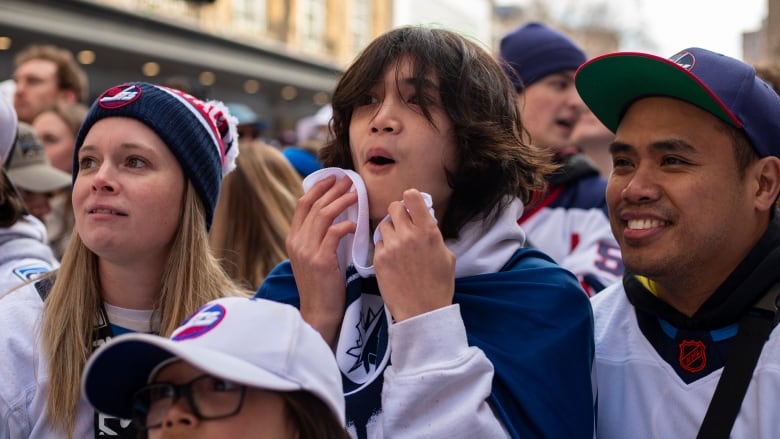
[676, 203]
[128, 193]
[549, 110]
[262, 413]
[394, 147]
[37, 88]
[57, 139]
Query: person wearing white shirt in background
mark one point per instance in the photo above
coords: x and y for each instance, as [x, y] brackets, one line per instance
[569, 222]
[24, 253]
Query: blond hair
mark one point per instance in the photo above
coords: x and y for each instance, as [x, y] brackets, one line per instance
[72, 115]
[254, 212]
[192, 277]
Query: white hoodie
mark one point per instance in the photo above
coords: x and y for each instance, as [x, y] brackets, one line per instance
[24, 253]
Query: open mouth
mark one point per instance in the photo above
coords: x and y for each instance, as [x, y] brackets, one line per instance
[381, 160]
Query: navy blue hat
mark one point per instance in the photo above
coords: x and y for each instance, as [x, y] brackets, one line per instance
[721, 85]
[534, 51]
[302, 160]
[201, 135]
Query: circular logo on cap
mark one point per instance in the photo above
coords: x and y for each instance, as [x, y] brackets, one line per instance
[119, 96]
[203, 321]
[684, 59]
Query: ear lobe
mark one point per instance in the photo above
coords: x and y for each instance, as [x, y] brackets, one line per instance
[768, 179]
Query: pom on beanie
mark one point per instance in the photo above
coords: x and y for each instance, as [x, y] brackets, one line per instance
[201, 135]
[534, 51]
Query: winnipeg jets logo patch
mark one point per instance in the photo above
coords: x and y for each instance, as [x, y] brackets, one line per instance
[119, 96]
[203, 321]
[363, 350]
[684, 59]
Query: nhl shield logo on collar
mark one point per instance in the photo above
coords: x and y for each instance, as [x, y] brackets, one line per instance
[693, 355]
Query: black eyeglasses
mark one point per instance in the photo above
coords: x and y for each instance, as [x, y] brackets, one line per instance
[208, 397]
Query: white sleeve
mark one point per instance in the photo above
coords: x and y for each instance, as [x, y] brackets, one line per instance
[437, 385]
[20, 374]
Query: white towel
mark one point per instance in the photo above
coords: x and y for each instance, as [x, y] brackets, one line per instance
[355, 249]
[360, 352]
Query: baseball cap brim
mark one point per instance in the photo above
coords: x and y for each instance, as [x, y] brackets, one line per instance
[610, 83]
[118, 369]
[39, 178]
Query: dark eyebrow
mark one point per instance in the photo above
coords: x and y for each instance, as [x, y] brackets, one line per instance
[617, 147]
[673, 145]
[126, 146]
[566, 75]
[668, 145]
[426, 83]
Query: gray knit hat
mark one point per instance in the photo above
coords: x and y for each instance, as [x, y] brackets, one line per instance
[201, 135]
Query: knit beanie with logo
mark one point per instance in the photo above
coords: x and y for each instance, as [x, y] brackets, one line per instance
[201, 135]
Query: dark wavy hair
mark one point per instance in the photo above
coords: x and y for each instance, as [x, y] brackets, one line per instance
[493, 163]
[12, 207]
[311, 417]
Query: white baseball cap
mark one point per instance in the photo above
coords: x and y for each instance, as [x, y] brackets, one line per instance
[254, 342]
[8, 123]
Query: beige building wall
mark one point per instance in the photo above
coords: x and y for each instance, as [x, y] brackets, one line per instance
[281, 28]
[763, 45]
[772, 27]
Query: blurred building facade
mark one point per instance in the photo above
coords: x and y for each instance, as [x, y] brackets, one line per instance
[280, 57]
[763, 45]
[593, 36]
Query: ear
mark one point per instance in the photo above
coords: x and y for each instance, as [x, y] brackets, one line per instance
[767, 182]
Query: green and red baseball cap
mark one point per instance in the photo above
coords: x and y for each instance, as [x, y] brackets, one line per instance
[723, 86]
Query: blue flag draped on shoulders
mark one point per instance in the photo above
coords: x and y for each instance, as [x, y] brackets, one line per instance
[533, 322]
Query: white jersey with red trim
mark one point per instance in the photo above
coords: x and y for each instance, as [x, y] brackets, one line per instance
[571, 225]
